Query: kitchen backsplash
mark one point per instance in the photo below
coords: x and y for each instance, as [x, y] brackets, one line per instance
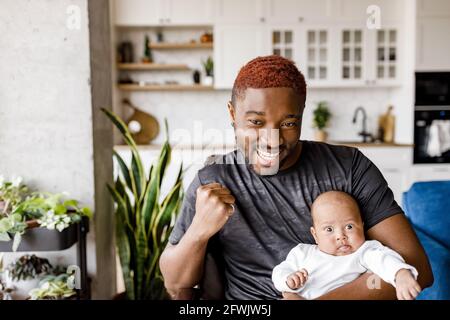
[204, 113]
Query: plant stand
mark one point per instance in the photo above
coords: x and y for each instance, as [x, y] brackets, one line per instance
[41, 239]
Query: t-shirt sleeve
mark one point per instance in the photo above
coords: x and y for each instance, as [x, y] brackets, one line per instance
[187, 212]
[371, 190]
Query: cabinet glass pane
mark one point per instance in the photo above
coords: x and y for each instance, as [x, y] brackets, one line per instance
[311, 73]
[311, 37]
[288, 53]
[323, 37]
[392, 36]
[346, 54]
[277, 52]
[357, 72]
[311, 55]
[392, 55]
[380, 56]
[380, 37]
[323, 55]
[346, 72]
[288, 37]
[322, 72]
[391, 71]
[346, 37]
[276, 37]
[358, 55]
[380, 72]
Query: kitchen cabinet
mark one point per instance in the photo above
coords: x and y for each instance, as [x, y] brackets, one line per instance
[356, 10]
[138, 12]
[433, 8]
[163, 12]
[395, 165]
[298, 11]
[433, 44]
[240, 12]
[234, 46]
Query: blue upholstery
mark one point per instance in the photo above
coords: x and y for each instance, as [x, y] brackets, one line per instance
[427, 206]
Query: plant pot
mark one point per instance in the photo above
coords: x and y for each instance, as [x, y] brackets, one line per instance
[208, 80]
[321, 135]
[43, 239]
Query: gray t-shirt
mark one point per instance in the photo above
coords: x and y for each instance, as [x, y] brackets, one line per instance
[272, 213]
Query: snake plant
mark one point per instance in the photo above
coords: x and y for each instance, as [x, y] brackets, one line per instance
[143, 222]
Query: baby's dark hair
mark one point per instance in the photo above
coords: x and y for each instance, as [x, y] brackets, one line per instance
[268, 72]
[336, 195]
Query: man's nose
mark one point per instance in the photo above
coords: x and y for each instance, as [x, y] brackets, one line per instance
[270, 138]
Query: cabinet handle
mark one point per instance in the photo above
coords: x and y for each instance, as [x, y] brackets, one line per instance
[300, 19]
[262, 19]
[168, 20]
[161, 20]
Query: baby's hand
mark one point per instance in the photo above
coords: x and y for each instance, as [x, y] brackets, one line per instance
[406, 286]
[297, 279]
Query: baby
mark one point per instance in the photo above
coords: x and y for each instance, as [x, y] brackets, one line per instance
[341, 254]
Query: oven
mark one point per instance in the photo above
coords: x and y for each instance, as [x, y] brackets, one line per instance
[432, 118]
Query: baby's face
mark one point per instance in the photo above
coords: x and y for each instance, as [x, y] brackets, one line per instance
[338, 229]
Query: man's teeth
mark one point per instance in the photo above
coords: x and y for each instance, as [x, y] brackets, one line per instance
[267, 155]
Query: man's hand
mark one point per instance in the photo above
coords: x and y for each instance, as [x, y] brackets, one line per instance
[213, 207]
[406, 286]
[297, 279]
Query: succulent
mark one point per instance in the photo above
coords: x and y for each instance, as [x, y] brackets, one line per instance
[53, 288]
[29, 267]
[208, 65]
[321, 115]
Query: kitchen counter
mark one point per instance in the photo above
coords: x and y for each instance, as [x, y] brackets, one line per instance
[370, 144]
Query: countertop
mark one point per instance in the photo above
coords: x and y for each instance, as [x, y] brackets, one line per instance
[356, 144]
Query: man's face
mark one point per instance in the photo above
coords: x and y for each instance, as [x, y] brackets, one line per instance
[267, 127]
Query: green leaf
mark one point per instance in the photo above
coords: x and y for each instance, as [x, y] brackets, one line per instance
[87, 212]
[4, 236]
[59, 209]
[71, 203]
[123, 169]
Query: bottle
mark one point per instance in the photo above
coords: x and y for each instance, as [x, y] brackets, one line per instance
[389, 126]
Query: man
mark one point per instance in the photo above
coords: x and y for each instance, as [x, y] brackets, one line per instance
[253, 205]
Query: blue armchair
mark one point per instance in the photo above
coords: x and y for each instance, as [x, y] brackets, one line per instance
[427, 206]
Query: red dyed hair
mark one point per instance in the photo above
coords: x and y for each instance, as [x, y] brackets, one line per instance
[268, 72]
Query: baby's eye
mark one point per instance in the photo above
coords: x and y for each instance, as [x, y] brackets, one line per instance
[329, 229]
[349, 227]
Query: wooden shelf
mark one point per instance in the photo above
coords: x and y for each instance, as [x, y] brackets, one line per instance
[168, 45]
[165, 87]
[151, 66]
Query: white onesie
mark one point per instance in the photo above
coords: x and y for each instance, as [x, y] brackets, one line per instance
[327, 272]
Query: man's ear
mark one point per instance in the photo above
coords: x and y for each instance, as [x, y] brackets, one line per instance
[232, 111]
[313, 232]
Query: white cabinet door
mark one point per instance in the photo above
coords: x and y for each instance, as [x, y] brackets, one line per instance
[138, 12]
[233, 47]
[356, 10]
[433, 44]
[354, 56]
[295, 11]
[189, 12]
[433, 8]
[241, 12]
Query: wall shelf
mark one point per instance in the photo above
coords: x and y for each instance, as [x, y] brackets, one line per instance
[165, 87]
[168, 45]
[151, 66]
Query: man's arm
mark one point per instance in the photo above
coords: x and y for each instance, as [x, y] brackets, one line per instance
[396, 233]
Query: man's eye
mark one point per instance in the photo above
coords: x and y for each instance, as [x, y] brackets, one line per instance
[329, 229]
[255, 122]
[349, 227]
[289, 124]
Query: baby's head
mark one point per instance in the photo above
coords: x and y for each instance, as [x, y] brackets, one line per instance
[337, 224]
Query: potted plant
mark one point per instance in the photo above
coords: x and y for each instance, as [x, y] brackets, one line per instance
[208, 65]
[22, 211]
[143, 223]
[321, 116]
[24, 274]
[53, 287]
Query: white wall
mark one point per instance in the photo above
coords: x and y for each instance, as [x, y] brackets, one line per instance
[47, 130]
